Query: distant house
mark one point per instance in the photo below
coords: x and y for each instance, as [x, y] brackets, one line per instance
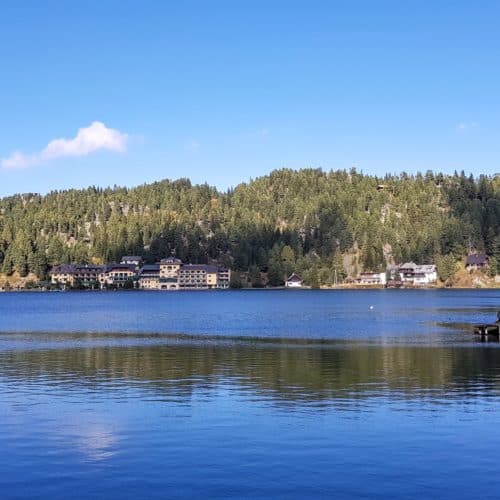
[407, 271]
[476, 261]
[425, 274]
[415, 274]
[293, 281]
[372, 279]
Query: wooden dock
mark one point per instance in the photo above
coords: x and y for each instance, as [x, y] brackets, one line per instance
[487, 329]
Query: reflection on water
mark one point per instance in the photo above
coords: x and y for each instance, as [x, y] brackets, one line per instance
[94, 441]
[285, 372]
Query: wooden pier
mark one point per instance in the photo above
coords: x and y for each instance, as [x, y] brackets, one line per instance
[487, 329]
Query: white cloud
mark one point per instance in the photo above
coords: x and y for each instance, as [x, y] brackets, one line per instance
[18, 160]
[89, 139]
[463, 126]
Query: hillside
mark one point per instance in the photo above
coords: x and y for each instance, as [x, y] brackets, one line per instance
[311, 221]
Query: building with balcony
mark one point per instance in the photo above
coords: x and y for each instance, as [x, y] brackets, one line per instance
[149, 277]
[117, 275]
[76, 275]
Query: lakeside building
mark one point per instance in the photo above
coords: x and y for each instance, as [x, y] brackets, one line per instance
[293, 281]
[63, 275]
[195, 276]
[476, 261]
[117, 275]
[369, 278]
[223, 278]
[407, 274]
[77, 275]
[417, 275]
[149, 277]
[169, 267]
[89, 276]
[169, 274]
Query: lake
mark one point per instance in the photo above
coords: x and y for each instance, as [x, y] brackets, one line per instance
[249, 394]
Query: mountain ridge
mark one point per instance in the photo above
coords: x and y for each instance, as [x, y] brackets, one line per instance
[315, 222]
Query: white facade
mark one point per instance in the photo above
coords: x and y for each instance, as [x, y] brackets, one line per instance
[169, 268]
[116, 276]
[412, 273]
[372, 279]
[293, 281]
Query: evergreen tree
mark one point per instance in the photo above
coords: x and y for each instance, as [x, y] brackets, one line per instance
[283, 222]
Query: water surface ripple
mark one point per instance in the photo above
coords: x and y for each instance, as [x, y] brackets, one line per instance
[248, 395]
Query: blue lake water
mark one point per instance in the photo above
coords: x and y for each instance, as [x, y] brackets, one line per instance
[249, 394]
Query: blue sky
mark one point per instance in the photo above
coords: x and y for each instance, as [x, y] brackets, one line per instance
[225, 91]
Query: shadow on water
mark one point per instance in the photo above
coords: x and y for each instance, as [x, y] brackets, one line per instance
[301, 372]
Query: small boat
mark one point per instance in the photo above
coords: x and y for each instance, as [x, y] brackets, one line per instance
[488, 329]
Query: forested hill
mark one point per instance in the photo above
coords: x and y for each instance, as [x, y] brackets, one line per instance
[311, 221]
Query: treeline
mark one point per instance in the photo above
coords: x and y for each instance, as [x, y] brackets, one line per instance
[325, 225]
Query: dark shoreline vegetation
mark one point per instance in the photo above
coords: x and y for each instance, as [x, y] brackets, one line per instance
[320, 224]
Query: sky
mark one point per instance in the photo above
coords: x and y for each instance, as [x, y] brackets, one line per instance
[127, 92]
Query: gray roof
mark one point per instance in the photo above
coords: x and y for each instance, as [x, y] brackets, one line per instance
[150, 269]
[123, 267]
[63, 269]
[294, 277]
[408, 265]
[171, 260]
[425, 268]
[477, 259]
[77, 268]
[418, 268]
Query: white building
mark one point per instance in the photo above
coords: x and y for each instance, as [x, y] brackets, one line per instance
[169, 267]
[117, 275]
[293, 281]
[372, 279]
[415, 274]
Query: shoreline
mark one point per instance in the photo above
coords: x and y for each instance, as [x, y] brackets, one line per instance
[265, 289]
